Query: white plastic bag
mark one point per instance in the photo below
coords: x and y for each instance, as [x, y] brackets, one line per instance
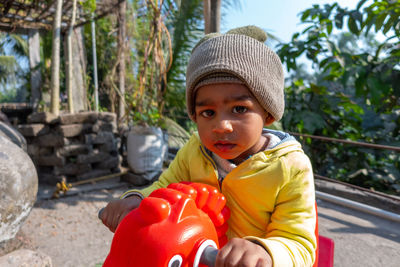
[146, 149]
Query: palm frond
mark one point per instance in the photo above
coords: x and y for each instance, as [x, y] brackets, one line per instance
[8, 68]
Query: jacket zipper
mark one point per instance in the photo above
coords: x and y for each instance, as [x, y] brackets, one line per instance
[205, 154]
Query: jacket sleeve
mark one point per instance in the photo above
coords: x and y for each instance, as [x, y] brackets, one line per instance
[177, 171]
[290, 237]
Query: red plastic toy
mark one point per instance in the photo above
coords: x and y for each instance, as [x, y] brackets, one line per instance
[172, 227]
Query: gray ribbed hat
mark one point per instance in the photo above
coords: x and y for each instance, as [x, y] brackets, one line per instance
[237, 57]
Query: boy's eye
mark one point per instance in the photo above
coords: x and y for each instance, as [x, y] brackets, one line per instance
[207, 113]
[239, 109]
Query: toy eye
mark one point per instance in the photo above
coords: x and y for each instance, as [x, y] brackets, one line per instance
[207, 243]
[175, 261]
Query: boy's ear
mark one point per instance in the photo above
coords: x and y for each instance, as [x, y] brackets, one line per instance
[269, 120]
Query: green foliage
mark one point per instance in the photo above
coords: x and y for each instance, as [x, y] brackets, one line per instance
[153, 53]
[88, 5]
[354, 94]
[106, 36]
[184, 21]
[13, 77]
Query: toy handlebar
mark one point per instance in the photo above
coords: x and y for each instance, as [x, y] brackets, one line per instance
[99, 213]
[208, 257]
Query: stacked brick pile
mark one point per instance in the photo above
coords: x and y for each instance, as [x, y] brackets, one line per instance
[72, 146]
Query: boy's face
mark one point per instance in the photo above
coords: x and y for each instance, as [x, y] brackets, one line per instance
[230, 120]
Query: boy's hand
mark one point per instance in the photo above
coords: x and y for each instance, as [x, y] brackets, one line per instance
[116, 210]
[241, 252]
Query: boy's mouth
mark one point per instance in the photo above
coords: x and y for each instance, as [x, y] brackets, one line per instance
[224, 146]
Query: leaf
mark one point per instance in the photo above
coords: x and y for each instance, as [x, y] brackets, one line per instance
[379, 21]
[362, 2]
[312, 121]
[394, 18]
[353, 26]
[305, 15]
[339, 20]
[360, 84]
[329, 27]
[348, 106]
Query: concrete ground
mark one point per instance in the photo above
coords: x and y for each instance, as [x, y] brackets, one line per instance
[360, 239]
[67, 229]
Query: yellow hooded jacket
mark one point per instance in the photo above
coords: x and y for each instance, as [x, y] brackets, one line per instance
[271, 196]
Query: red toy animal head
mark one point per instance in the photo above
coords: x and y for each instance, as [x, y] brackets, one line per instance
[171, 228]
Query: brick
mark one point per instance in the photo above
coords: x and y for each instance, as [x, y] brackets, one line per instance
[43, 117]
[52, 140]
[110, 147]
[50, 179]
[108, 117]
[50, 160]
[72, 130]
[93, 174]
[103, 138]
[73, 169]
[110, 163]
[92, 157]
[34, 129]
[73, 150]
[104, 126]
[33, 150]
[83, 117]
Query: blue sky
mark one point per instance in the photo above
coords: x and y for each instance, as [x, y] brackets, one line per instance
[279, 17]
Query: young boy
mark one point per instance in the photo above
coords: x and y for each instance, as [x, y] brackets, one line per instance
[234, 88]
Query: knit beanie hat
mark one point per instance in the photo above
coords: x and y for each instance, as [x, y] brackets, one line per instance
[239, 56]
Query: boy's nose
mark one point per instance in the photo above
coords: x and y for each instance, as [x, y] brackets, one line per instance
[223, 126]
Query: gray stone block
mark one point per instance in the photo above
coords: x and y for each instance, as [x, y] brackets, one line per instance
[52, 160]
[34, 150]
[72, 130]
[110, 163]
[52, 140]
[92, 157]
[50, 179]
[104, 126]
[99, 138]
[73, 150]
[108, 117]
[33, 129]
[83, 117]
[110, 148]
[72, 169]
[42, 117]
[93, 174]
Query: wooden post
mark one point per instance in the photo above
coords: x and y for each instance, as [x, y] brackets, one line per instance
[212, 15]
[215, 15]
[69, 61]
[121, 56]
[94, 54]
[55, 61]
[206, 11]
